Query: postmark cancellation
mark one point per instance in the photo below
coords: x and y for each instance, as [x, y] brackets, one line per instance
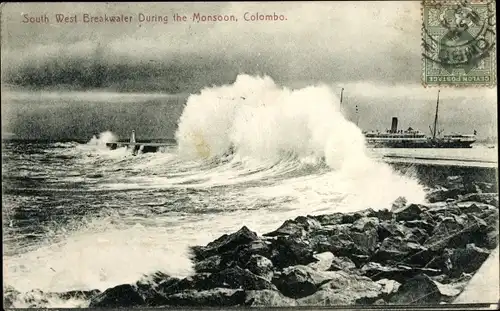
[459, 43]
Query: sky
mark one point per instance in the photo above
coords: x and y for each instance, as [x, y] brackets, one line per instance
[372, 49]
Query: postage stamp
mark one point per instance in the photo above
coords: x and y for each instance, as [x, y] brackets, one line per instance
[459, 45]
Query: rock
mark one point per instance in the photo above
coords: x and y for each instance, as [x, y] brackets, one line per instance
[325, 298]
[365, 224]
[380, 302]
[387, 229]
[486, 198]
[79, 294]
[376, 271]
[399, 203]
[236, 278]
[389, 287]
[324, 261]
[296, 227]
[152, 288]
[381, 214]
[443, 232]
[258, 247]
[349, 218]
[397, 249]
[260, 266]
[233, 278]
[447, 210]
[442, 195]
[268, 298]
[465, 260]
[449, 290]
[485, 187]
[455, 182]
[289, 251]
[344, 241]
[421, 224]
[344, 289]
[124, 295]
[301, 281]
[490, 217]
[416, 235]
[329, 219]
[469, 208]
[411, 234]
[359, 260]
[341, 263]
[217, 297]
[491, 240]
[211, 264]
[456, 232]
[418, 290]
[225, 243]
[410, 212]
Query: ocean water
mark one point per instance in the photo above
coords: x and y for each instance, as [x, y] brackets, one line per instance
[77, 216]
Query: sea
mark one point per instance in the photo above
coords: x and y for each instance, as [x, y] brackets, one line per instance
[79, 216]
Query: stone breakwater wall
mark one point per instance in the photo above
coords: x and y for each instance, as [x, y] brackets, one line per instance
[406, 254]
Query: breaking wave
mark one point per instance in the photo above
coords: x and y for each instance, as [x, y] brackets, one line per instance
[250, 153]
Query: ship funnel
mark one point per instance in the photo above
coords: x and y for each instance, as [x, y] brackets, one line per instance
[394, 126]
[132, 137]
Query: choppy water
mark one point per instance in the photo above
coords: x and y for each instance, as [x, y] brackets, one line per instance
[80, 216]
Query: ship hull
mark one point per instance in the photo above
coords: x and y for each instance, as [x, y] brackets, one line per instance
[430, 144]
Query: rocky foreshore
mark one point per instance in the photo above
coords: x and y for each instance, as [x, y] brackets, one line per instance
[410, 254]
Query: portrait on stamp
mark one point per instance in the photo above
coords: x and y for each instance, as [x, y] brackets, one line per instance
[459, 40]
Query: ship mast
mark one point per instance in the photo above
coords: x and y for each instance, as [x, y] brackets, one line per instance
[436, 117]
[341, 94]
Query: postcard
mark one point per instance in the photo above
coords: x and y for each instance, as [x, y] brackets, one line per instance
[250, 154]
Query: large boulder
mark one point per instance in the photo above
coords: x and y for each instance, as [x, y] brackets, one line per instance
[465, 260]
[399, 272]
[443, 194]
[376, 271]
[365, 223]
[212, 264]
[389, 287]
[153, 287]
[407, 233]
[324, 261]
[343, 240]
[260, 266]
[225, 243]
[344, 289]
[234, 278]
[409, 212]
[486, 198]
[288, 251]
[418, 290]
[78, 294]
[342, 263]
[297, 227]
[397, 249]
[217, 297]
[457, 231]
[125, 295]
[268, 298]
[301, 281]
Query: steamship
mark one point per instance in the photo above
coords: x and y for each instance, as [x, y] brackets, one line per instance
[410, 138]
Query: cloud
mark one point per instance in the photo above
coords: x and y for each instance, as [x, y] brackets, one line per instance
[322, 41]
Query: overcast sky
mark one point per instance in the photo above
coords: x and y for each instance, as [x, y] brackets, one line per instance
[373, 49]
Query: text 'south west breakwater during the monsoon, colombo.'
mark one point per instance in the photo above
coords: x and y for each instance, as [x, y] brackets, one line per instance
[144, 18]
